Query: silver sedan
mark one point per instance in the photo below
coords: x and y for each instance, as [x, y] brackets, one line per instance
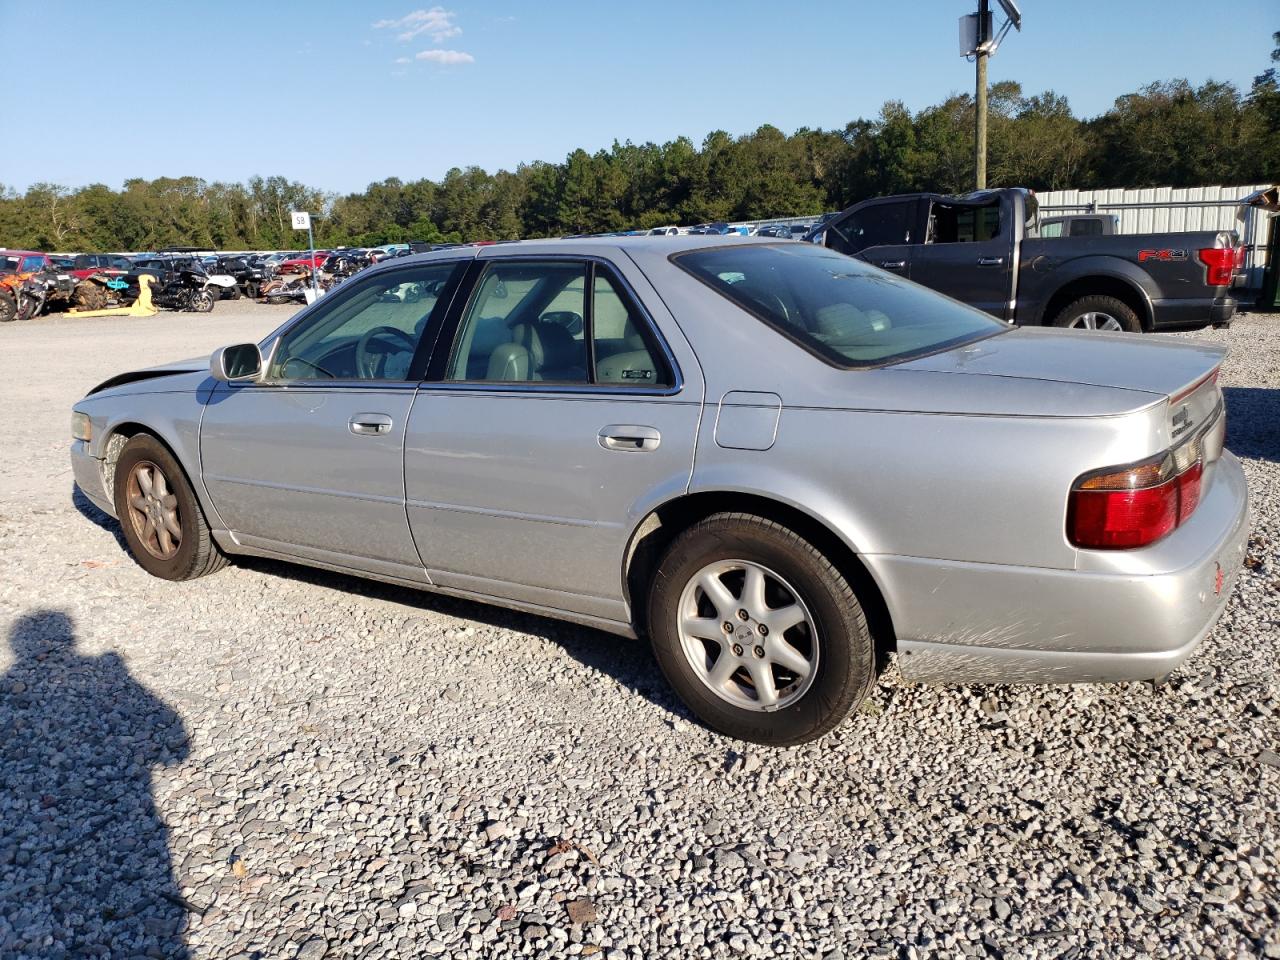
[777, 463]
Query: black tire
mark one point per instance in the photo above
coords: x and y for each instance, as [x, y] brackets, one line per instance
[251, 291]
[842, 647]
[196, 554]
[27, 309]
[1073, 314]
[8, 307]
[202, 301]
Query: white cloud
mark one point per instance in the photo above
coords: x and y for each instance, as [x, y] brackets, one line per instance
[445, 57]
[403, 60]
[437, 22]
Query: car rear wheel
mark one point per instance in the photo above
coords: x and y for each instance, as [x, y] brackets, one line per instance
[162, 522]
[1099, 313]
[758, 631]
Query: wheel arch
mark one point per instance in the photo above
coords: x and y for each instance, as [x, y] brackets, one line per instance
[120, 433]
[655, 532]
[1124, 289]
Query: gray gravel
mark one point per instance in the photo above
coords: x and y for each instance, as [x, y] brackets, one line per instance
[276, 762]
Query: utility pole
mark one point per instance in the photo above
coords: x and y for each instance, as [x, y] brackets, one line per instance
[979, 41]
[980, 97]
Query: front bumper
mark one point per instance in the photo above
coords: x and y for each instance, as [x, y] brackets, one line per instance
[87, 470]
[1127, 615]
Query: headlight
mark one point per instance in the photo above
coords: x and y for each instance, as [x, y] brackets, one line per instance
[81, 426]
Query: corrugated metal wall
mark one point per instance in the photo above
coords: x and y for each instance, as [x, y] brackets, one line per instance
[1169, 210]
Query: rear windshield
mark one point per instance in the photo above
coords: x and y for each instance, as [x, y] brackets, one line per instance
[844, 311]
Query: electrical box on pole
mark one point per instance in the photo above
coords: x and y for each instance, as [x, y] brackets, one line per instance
[978, 41]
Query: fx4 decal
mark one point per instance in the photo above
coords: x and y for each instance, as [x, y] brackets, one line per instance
[1166, 255]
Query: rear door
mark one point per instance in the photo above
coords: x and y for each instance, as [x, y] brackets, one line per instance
[968, 253]
[881, 233]
[555, 416]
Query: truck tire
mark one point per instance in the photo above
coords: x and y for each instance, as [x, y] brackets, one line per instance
[1098, 313]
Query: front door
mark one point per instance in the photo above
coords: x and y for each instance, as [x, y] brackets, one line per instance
[879, 233]
[552, 422]
[308, 461]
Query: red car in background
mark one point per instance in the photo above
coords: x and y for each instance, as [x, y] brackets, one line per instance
[298, 263]
[84, 265]
[24, 261]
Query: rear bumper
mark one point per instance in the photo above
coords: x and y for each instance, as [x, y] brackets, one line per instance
[87, 470]
[1131, 615]
[1192, 314]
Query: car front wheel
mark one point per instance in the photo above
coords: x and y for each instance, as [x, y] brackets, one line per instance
[162, 522]
[759, 633]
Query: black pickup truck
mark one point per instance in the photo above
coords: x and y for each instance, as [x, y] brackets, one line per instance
[984, 249]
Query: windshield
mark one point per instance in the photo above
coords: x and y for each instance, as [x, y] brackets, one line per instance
[844, 311]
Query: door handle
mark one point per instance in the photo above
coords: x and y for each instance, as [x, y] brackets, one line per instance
[629, 438]
[892, 264]
[990, 261]
[369, 424]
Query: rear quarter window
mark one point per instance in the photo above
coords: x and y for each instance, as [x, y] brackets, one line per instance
[840, 309]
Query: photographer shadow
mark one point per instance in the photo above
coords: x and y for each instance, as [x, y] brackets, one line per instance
[85, 868]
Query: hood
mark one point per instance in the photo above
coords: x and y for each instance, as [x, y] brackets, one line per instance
[1117, 360]
[194, 365]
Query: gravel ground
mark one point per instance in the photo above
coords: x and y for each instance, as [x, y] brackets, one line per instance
[276, 762]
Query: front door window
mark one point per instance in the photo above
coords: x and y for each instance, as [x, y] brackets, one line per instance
[370, 332]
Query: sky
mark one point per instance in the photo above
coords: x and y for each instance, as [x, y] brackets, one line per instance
[342, 94]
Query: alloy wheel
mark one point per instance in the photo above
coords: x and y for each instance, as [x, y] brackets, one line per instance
[1095, 320]
[748, 635]
[153, 509]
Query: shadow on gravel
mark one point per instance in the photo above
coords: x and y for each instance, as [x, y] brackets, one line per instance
[96, 516]
[1253, 422]
[84, 856]
[627, 661]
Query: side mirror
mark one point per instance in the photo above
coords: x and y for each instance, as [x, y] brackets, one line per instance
[240, 362]
[820, 238]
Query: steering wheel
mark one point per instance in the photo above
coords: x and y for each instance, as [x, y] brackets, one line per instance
[367, 359]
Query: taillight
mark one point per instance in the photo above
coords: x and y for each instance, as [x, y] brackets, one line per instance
[1124, 507]
[1220, 262]
[1240, 252]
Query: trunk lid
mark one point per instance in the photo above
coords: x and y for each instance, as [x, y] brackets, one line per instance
[1183, 371]
[1121, 360]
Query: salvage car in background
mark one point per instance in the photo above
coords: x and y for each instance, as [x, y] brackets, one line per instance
[774, 460]
[980, 249]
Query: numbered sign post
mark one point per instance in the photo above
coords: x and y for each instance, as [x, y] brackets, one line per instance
[302, 221]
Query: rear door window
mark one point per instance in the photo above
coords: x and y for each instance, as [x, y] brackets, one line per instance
[560, 321]
[957, 223]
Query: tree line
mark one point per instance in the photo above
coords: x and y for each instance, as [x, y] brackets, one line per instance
[1167, 134]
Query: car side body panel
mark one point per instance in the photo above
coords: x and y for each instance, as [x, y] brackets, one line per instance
[946, 475]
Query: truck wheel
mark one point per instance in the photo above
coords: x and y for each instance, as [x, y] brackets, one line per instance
[1099, 313]
[758, 632]
[8, 308]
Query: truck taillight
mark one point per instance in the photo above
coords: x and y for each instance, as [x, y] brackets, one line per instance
[1240, 254]
[1221, 264]
[1120, 508]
